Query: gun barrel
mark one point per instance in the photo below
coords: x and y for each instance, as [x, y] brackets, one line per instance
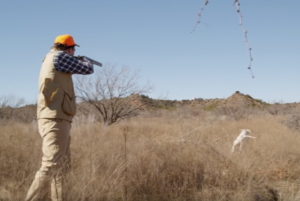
[92, 60]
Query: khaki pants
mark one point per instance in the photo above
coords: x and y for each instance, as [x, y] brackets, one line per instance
[55, 161]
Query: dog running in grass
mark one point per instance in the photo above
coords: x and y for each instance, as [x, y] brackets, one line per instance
[239, 140]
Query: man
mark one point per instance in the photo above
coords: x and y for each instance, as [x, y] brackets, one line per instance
[55, 110]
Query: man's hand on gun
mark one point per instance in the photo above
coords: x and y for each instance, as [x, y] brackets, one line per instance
[84, 58]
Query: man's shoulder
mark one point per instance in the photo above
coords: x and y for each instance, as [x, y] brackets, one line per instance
[60, 55]
[59, 52]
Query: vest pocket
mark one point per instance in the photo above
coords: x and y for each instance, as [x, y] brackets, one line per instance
[69, 105]
[50, 91]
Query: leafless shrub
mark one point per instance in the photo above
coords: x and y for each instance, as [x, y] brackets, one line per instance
[180, 112]
[25, 114]
[292, 120]
[113, 93]
[8, 104]
[86, 114]
[279, 109]
[235, 113]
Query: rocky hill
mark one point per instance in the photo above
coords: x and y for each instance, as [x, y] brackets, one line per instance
[235, 100]
[241, 100]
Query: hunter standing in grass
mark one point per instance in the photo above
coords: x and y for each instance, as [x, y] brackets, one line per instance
[55, 110]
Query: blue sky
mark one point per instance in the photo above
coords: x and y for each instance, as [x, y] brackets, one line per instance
[154, 36]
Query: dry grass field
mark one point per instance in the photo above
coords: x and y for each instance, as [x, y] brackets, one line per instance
[183, 154]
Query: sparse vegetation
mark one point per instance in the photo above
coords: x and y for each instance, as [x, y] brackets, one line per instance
[210, 107]
[247, 95]
[178, 154]
[151, 103]
[8, 105]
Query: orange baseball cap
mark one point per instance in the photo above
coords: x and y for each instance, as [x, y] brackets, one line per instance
[66, 40]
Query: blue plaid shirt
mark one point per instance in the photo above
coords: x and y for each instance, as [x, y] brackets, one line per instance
[66, 63]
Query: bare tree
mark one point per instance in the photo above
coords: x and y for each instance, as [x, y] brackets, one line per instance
[8, 104]
[113, 92]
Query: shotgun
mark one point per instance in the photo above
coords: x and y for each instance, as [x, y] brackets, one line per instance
[89, 59]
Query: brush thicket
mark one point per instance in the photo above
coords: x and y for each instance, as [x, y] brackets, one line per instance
[175, 155]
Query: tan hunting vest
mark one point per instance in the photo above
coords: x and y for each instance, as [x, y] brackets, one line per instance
[56, 97]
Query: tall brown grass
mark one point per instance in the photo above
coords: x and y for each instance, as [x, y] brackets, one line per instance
[175, 155]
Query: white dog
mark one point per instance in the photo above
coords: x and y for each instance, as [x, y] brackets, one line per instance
[240, 138]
